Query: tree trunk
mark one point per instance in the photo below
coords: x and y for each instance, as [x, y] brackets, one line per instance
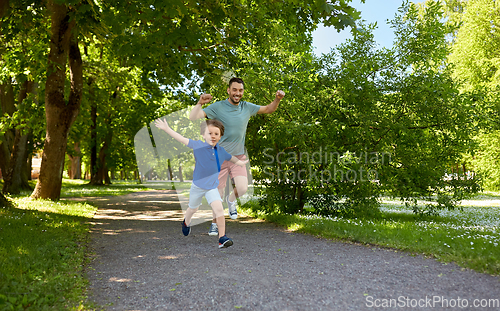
[137, 176]
[29, 163]
[4, 202]
[300, 197]
[181, 178]
[170, 173]
[4, 7]
[103, 174]
[7, 104]
[76, 163]
[16, 177]
[59, 114]
[4, 146]
[94, 164]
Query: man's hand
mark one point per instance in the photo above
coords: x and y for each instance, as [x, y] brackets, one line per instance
[274, 104]
[280, 94]
[204, 98]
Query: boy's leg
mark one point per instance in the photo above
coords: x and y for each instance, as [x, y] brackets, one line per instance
[213, 198]
[189, 214]
[195, 196]
[186, 223]
[224, 172]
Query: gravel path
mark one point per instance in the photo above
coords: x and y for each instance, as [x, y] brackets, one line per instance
[143, 262]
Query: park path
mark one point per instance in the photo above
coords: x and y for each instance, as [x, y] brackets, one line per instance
[143, 262]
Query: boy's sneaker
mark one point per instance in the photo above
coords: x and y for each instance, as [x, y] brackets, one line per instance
[233, 212]
[224, 241]
[214, 230]
[185, 229]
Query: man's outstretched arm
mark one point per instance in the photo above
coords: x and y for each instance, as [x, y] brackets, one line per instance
[197, 112]
[273, 105]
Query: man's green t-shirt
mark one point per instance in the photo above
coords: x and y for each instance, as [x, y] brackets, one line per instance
[235, 119]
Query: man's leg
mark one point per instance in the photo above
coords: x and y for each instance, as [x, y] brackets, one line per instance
[239, 176]
[240, 187]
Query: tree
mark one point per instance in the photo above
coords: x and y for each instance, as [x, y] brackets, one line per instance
[365, 121]
[60, 113]
[21, 126]
[169, 43]
[117, 106]
[475, 56]
[17, 172]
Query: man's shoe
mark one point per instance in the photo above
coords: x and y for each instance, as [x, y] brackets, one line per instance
[213, 229]
[232, 206]
[185, 229]
[224, 241]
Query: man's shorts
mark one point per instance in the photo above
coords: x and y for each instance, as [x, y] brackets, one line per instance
[232, 169]
[196, 195]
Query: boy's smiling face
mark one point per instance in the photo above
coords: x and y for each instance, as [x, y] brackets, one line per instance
[212, 135]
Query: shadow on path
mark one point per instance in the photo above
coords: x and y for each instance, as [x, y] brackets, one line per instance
[143, 262]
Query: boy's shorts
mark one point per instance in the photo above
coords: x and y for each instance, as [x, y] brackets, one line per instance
[196, 194]
[232, 169]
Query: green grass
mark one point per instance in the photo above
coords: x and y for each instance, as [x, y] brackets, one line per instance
[43, 244]
[43, 248]
[72, 188]
[469, 238]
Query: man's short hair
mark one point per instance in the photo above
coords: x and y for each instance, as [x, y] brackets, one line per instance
[237, 80]
[216, 123]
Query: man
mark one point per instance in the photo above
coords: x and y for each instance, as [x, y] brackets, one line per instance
[234, 114]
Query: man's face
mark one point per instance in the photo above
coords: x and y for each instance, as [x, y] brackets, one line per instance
[212, 135]
[235, 91]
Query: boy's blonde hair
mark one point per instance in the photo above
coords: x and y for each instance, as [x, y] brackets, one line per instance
[216, 123]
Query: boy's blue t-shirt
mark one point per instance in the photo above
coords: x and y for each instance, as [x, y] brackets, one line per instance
[235, 119]
[206, 172]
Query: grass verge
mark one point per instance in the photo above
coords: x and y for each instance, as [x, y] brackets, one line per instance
[43, 247]
[43, 254]
[469, 237]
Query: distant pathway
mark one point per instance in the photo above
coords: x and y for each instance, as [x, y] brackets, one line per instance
[143, 262]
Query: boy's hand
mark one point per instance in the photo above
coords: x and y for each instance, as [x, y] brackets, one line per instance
[204, 98]
[162, 124]
[280, 94]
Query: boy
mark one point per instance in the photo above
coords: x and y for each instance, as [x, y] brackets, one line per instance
[209, 156]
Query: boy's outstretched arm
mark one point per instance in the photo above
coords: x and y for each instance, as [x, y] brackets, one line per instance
[163, 125]
[237, 161]
[197, 112]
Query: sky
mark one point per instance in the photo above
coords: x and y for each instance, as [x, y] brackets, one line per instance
[325, 38]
